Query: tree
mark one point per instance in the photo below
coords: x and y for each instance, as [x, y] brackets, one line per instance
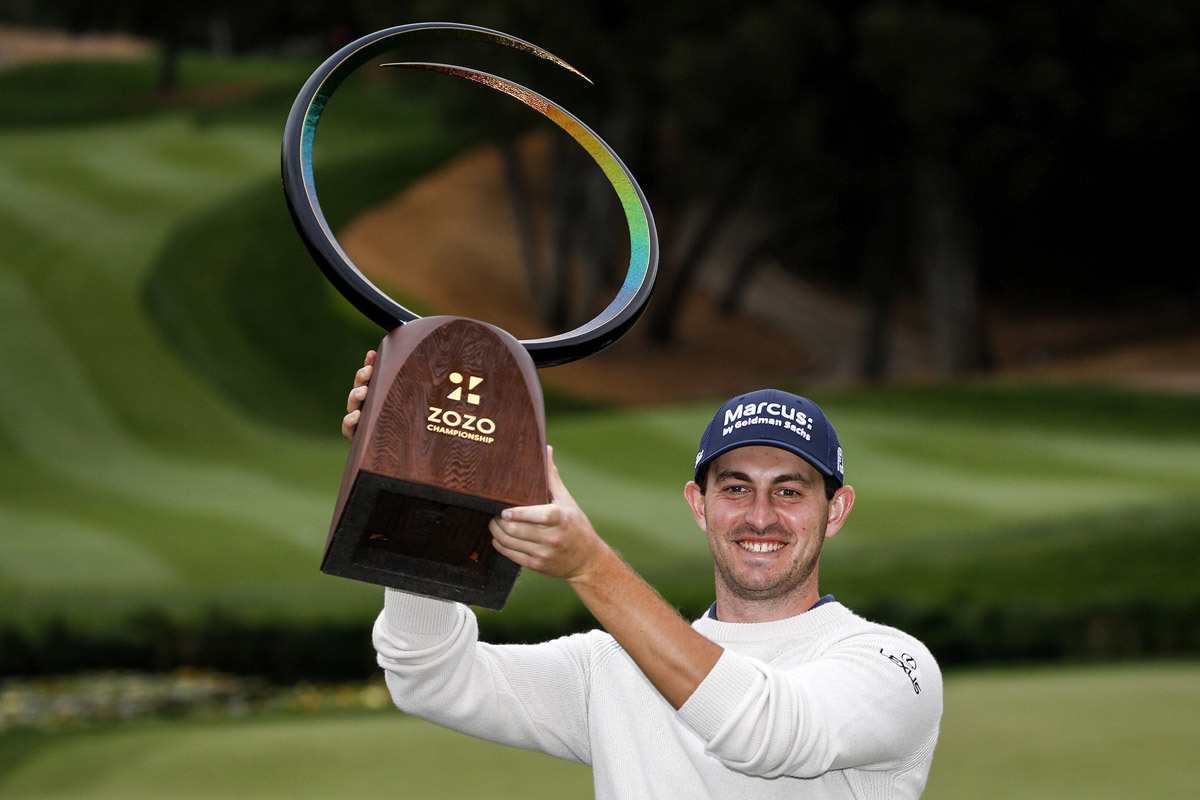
[958, 151]
[930, 66]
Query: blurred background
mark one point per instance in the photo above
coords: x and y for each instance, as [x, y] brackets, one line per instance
[966, 229]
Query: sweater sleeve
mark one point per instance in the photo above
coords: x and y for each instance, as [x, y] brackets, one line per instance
[528, 696]
[872, 701]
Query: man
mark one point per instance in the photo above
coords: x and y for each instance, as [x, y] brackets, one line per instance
[775, 692]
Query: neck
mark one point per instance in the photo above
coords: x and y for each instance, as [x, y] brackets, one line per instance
[734, 608]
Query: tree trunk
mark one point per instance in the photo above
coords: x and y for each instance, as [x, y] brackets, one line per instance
[948, 265]
[599, 252]
[682, 278]
[879, 268]
[881, 263]
[565, 208]
[742, 274]
[168, 63]
[525, 220]
[220, 35]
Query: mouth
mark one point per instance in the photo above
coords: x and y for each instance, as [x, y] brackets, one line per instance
[760, 546]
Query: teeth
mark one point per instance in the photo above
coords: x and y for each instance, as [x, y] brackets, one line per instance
[761, 547]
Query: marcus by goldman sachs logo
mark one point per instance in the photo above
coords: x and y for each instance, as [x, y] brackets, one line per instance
[449, 422]
[764, 413]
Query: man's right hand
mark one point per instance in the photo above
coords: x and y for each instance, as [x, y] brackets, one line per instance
[358, 394]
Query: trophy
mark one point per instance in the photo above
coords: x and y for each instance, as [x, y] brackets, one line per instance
[453, 429]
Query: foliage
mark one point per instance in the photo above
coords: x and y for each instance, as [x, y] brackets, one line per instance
[99, 698]
[1062, 120]
[1020, 151]
[79, 91]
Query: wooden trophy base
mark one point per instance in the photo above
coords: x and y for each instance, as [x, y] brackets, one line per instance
[453, 431]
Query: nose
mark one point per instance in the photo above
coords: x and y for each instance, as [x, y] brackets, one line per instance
[761, 513]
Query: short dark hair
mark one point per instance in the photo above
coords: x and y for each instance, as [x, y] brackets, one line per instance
[831, 483]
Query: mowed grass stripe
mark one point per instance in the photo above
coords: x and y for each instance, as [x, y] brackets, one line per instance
[994, 447]
[69, 429]
[106, 189]
[996, 473]
[1130, 563]
[50, 550]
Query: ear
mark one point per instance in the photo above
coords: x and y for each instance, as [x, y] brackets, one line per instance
[695, 499]
[839, 509]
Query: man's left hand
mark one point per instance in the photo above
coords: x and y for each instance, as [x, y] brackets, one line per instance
[555, 539]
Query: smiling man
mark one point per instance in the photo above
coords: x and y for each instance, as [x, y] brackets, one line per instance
[776, 692]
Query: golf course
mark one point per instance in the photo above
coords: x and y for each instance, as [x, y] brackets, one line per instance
[173, 370]
[1104, 732]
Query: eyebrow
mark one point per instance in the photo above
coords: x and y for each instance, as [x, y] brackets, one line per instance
[788, 477]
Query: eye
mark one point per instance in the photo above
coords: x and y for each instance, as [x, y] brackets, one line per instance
[790, 493]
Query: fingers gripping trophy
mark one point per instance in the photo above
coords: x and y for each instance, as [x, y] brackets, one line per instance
[453, 429]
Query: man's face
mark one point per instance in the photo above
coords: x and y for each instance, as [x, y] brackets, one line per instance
[766, 516]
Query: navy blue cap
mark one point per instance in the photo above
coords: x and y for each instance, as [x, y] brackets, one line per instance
[777, 419]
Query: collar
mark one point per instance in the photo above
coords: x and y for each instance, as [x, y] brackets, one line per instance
[712, 610]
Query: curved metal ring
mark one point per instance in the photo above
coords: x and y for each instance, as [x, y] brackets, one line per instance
[611, 324]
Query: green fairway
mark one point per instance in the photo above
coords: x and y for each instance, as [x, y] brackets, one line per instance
[356, 756]
[1103, 732]
[1099, 732]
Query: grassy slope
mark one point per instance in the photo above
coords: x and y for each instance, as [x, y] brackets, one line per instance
[1113, 732]
[129, 480]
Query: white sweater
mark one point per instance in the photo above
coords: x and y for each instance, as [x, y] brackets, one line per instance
[821, 705]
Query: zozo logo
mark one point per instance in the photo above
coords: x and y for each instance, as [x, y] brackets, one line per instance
[443, 420]
[472, 383]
